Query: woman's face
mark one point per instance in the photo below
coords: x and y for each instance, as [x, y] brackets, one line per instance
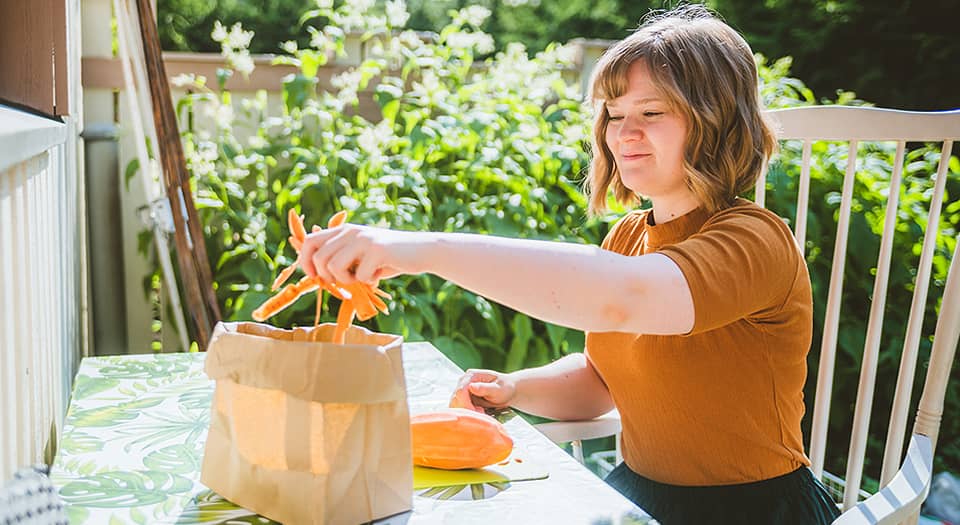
[646, 137]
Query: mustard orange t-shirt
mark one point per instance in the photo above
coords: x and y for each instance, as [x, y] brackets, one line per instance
[720, 405]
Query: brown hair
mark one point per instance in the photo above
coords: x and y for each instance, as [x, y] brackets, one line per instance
[706, 71]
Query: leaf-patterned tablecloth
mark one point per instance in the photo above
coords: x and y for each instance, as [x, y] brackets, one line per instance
[132, 446]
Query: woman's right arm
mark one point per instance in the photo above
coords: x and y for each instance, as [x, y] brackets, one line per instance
[566, 389]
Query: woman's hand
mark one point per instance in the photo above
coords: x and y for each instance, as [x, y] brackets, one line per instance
[350, 252]
[479, 390]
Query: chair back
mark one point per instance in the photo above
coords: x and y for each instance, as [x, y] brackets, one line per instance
[859, 143]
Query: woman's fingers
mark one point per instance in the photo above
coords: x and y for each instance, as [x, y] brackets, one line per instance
[322, 247]
[351, 253]
[480, 389]
[342, 264]
[311, 244]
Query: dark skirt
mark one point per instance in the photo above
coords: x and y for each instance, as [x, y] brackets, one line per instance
[797, 498]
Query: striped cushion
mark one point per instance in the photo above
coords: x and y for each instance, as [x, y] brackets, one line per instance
[903, 495]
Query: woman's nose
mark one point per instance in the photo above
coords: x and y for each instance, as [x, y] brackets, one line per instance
[630, 130]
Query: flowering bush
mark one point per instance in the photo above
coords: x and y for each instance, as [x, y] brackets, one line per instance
[497, 148]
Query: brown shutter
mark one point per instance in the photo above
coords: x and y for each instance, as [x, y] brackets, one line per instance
[33, 55]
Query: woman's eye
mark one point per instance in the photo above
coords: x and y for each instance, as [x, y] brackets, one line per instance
[652, 113]
[617, 117]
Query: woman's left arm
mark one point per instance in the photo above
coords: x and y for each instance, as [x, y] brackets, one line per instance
[578, 286]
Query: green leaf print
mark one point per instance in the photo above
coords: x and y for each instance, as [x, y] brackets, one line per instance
[124, 489]
[87, 386]
[108, 416]
[127, 368]
[175, 459]
[210, 507]
[196, 399]
[157, 429]
[76, 442]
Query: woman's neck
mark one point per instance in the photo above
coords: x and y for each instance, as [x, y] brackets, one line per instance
[666, 209]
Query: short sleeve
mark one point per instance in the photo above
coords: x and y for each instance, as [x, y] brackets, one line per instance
[624, 233]
[741, 264]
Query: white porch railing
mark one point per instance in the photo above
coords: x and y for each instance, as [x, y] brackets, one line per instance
[41, 284]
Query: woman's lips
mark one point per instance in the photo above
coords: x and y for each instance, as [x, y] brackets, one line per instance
[634, 156]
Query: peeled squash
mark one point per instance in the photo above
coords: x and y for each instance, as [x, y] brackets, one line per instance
[457, 438]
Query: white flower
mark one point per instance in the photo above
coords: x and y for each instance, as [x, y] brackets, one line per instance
[290, 46]
[474, 15]
[573, 135]
[238, 38]
[483, 43]
[460, 40]
[237, 173]
[184, 79]
[219, 33]
[256, 142]
[373, 139]
[224, 116]
[361, 6]
[318, 40]
[397, 13]
[349, 203]
[565, 54]
[347, 79]
[410, 39]
[528, 131]
[350, 21]
[207, 151]
[242, 62]
[325, 4]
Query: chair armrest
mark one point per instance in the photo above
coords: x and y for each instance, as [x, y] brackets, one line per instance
[902, 497]
[565, 431]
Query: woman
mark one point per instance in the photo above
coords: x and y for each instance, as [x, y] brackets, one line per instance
[698, 311]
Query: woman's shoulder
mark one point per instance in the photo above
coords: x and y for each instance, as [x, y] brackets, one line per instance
[752, 224]
[626, 229]
[746, 213]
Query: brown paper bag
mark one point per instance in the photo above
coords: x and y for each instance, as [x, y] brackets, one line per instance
[306, 431]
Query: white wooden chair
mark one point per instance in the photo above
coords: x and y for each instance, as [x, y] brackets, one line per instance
[904, 485]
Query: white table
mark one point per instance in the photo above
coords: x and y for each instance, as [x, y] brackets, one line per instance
[133, 438]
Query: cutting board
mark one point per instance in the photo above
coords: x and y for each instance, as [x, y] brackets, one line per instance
[514, 468]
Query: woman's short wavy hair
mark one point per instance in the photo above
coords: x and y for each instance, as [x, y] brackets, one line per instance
[706, 71]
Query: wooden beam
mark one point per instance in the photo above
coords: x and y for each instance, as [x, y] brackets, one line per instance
[105, 73]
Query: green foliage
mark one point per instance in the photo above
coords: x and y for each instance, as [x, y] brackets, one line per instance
[893, 53]
[184, 25]
[499, 148]
[497, 153]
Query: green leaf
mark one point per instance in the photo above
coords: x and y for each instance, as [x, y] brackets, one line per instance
[87, 386]
[111, 415]
[175, 459]
[124, 489]
[76, 442]
[132, 167]
[459, 351]
[522, 332]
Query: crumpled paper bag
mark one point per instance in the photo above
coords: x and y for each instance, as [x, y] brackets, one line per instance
[304, 431]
